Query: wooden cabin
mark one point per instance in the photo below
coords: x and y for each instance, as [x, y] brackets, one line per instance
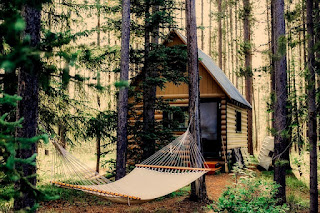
[223, 109]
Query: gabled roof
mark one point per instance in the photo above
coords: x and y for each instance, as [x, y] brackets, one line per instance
[218, 75]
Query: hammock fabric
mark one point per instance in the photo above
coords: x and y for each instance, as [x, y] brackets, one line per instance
[171, 168]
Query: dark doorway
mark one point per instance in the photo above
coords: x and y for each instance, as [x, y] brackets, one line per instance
[210, 128]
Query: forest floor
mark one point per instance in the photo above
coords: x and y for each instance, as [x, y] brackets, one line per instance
[77, 201]
[74, 201]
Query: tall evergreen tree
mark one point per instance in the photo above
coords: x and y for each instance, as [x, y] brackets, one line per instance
[248, 66]
[281, 96]
[312, 114]
[149, 88]
[28, 106]
[122, 136]
[219, 18]
[198, 188]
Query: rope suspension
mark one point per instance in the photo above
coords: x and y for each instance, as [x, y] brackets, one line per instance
[174, 166]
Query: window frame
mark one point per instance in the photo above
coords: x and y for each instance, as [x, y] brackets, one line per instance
[238, 121]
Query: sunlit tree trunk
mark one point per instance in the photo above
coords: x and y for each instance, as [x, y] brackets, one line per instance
[198, 188]
[219, 33]
[248, 66]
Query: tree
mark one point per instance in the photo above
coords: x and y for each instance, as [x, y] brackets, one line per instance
[122, 138]
[248, 66]
[198, 188]
[281, 96]
[312, 114]
[149, 87]
[219, 17]
[28, 107]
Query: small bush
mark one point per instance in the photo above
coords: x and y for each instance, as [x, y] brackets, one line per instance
[249, 194]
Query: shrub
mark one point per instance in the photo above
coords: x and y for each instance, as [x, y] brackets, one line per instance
[249, 194]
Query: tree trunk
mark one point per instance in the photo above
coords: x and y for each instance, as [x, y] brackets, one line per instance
[269, 29]
[219, 34]
[98, 139]
[98, 149]
[272, 71]
[202, 27]
[317, 55]
[210, 28]
[280, 114]
[149, 88]
[28, 109]
[231, 45]
[236, 44]
[198, 188]
[312, 115]
[122, 139]
[248, 67]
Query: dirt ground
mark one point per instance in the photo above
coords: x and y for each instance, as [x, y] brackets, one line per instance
[215, 185]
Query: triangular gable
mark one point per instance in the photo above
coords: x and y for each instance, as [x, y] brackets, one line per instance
[216, 73]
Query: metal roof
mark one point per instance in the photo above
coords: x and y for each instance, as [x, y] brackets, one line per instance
[219, 76]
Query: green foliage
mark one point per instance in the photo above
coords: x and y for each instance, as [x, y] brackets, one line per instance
[10, 172]
[249, 194]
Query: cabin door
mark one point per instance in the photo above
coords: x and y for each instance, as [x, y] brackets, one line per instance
[210, 129]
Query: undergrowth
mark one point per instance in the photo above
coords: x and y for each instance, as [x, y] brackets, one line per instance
[249, 194]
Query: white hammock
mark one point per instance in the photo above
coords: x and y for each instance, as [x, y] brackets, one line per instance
[171, 168]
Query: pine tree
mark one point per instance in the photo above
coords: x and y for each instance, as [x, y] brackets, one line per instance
[28, 107]
[280, 114]
[122, 135]
[248, 66]
[198, 188]
[312, 114]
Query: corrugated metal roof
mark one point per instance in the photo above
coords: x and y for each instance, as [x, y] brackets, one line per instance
[218, 75]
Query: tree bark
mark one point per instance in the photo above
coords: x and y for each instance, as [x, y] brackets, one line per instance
[98, 149]
[312, 114]
[98, 136]
[219, 34]
[198, 188]
[280, 114]
[231, 45]
[317, 55]
[122, 138]
[202, 34]
[28, 109]
[236, 44]
[248, 67]
[149, 88]
[210, 28]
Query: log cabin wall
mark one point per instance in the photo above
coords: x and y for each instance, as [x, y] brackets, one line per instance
[209, 89]
[223, 108]
[234, 137]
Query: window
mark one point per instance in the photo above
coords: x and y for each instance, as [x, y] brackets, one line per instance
[238, 121]
[176, 119]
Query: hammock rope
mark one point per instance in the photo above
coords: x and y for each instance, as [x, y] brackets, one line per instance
[174, 166]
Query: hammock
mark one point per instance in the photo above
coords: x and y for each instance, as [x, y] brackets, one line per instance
[171, 168]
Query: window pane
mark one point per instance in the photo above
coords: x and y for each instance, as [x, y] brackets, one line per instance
[209, 120]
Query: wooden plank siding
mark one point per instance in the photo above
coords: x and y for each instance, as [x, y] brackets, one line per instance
[208, 88]
[236, 139]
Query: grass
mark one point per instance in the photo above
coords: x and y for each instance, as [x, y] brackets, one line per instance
[71, 196]
[179, 193]
[297, 191]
